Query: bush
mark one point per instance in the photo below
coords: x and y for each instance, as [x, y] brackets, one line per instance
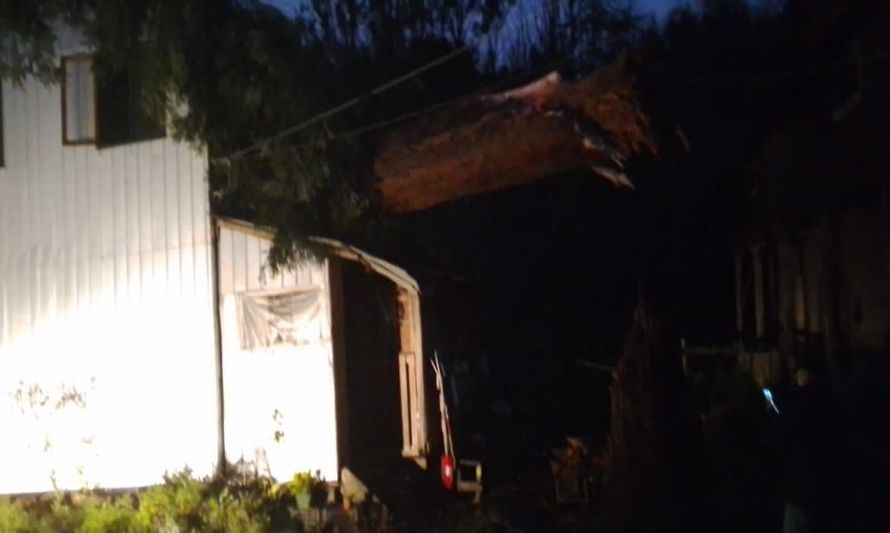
[251, 504]
[14, 518]
[106, 515]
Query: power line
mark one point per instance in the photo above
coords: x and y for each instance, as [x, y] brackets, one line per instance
[257, 145]
[784, 75]
[357, 100]
[423, 111]
[347, 105]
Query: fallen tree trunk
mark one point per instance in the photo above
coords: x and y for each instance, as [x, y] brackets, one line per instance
[493, 142]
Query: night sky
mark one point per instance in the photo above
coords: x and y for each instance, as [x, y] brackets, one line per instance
[659, 8]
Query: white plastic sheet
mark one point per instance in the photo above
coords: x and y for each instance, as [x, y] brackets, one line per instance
[270, 319]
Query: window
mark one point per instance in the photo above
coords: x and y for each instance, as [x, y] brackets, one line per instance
[120, 111]
[104, 109]
[78, 100]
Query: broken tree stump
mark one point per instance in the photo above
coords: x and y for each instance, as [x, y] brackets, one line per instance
[654, 468]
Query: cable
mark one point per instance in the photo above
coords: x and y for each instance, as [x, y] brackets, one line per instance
[782, 75]
[423, 111]
[777, 76]
[346, 105]
[357, 100]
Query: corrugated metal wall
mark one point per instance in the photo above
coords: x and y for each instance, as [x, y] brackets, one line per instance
[280, 409]
[106, 335]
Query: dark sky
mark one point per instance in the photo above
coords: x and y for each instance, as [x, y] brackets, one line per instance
[658, 7]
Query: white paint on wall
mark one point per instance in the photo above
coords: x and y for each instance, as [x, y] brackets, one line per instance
[106, 333]
[280, 413]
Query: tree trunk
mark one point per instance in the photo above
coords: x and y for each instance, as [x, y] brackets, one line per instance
[654, 477]
[488, 143]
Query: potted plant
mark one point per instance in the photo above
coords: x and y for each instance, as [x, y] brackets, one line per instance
[306, 488]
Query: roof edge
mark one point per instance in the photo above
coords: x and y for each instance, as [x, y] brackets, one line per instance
[335, 248]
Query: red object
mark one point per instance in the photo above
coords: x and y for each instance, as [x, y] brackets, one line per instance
[448, 471]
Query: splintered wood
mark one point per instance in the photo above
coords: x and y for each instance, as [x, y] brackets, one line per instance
[493, 142]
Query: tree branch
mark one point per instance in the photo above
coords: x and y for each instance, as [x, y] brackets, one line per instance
[493, 142]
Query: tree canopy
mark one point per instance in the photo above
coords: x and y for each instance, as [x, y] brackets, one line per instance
[233, 74]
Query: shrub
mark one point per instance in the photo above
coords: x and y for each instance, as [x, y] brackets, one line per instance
[252, 504]
[108, 515]
[15, 519]
[177, 505]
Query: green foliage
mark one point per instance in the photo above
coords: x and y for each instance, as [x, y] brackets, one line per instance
[250, 504]
[27, 39]
[177, 504]
[61, 513]
[14, 518]
[303, 483]
[108, 515]
[230, 75]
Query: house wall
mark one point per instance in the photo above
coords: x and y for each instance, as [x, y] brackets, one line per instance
[813, 279]
[106, 324]
[280, 411]
[790, 315]
[842, 324]
[865, 284]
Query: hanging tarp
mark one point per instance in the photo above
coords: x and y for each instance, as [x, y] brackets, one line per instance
[269, 319]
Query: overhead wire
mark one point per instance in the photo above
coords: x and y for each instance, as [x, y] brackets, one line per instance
[777, 76]
[380, 89]
[395, 82]
[386, 123]
[345, 105]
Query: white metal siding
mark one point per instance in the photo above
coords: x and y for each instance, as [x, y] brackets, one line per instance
[280, 410]
[105, 305]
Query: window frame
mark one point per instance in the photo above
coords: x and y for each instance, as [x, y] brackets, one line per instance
[96, 140]
[64, 85]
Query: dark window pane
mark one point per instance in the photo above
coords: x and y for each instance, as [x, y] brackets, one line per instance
[112, 91]
[120, 111]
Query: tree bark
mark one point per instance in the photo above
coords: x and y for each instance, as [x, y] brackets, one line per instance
[654, 477]
[493, 142]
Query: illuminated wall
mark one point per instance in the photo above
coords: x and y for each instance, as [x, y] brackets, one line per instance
[279, 400]
[106, 334]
